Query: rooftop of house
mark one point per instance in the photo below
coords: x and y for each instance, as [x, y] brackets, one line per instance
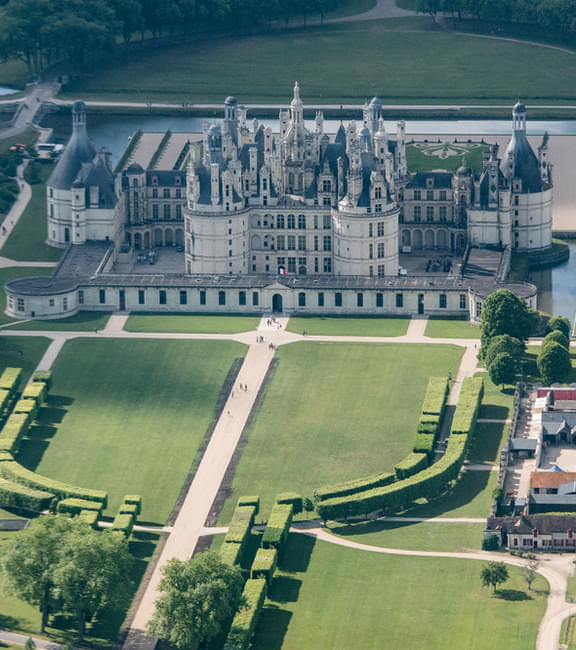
[551, 480]
[527, 524]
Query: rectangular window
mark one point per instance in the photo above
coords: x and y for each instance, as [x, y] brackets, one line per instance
[370, 251]
[315, 265]
[378, 207]
[291, 265]
[417, 195]
[155, 193]
[221, 297]
[442, 301]
[255, 299]
[302, 221]
[429, 213]
[370, 230]
[167, 211]
[301, 242]
[399, 300]
[162, 297]
[315, 242]
[178, 193]
[338, 299]
[429, 195]
[178, 211]
[379, 300]
[326, 186]
[291, 221]
[51, 302]
[141, 297]
[327, 243]
[20, 304]
[360, 300]
[183, 298]
[280, 242]
[316, 222]
[327, 222]
[302, 299]
[381, 271]
[326, 200]
[381, 250]
[202, 297]
[80, 297]
[242, 298]
[442, 195]
[377, 192]
[442, 213]
[417, 213]
[166, 193]
[321, 299]
[64, 304]
[462, 301]
[327, 265]
[291, 242]
[380, 229]
[102, 296]
[280, 221]
[155, 211]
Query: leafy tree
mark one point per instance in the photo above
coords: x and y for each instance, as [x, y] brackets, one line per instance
[558, 337]
[494, 574]
[554, 362]
[503, 369]
[29, 645]
[491, 543]
[93, 571]
[560, 323]
[503, 343]
[198, 595]
[505, 313]
[29, 562]
[530, 570]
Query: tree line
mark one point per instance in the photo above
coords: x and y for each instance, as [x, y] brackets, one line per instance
[558, 16]
[43, 32]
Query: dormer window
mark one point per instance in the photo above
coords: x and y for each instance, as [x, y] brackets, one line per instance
[429, 182]
[178, 180]
[154, 180]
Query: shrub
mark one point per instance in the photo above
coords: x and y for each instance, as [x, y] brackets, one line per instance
[35, 390]
[27, 406]
[429, 424]
[44, 376]
[558, 337]
[123, 523]
[14, 428]
[245, 513]
[436, 395]
[129, 509]
[264, 564]
[293, 498]
[559, 323]
[503, 343]
[278, 526]
[231, 553]
[469, 402]
[412, 464]
[14, 495]
[74, 506]
[89, 517]
[4, 399]
[250, 500]
[353, 486]
[424, 443]
[491, 543]
[135, 499]
[10, 379]
[246, 618]
[238, 532]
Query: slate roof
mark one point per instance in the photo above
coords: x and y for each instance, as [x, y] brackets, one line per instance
[555, 422]
[441, 180]
[526, 524]
[79, 150]
[526, 166]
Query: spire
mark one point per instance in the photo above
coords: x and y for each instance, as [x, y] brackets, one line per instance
[519, 117]
[296, 101]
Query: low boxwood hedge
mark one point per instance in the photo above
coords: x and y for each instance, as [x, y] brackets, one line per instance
[10, 379]
[246, 619]
[74, 506]
[424, 443]
[15, 495]
[135, 499]
[44, 376]
[89, 517]
[35, 390]
[245, 513]
[291, 498]
[129, 509]
[14, 428]
[123, 523]
[436, 395]
[28, 406]
[250, 500]
[231, 553]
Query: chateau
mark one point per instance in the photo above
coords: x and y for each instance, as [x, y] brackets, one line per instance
[242, 218]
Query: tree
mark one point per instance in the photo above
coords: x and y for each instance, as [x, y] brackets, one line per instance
[30, 560]
[554, 362]
[93, 571]
[558, 337]
[503, 343]
[559, 323]
[505, 313]
[503, 369]
[197, 597]
[530, 570]
[29, 645]
[494, 574]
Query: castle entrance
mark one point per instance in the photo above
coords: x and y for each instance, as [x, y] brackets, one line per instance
[277, 303]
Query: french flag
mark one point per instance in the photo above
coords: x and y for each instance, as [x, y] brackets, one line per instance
[281, 270]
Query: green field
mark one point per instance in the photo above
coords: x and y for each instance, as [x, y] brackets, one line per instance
[497, 404]
[336, 326]
[22, 352]
[27, 240]
[18, 616]
[427, 156]
[421, 63]
[422, 536]
[331, 597]
[186, 323]
[332, 412]
[487, 442]
[81, 322]
[129, 416]
[10, 273]
[442, 328]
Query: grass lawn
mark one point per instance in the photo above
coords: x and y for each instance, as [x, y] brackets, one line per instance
[412, 51]
[22, 352]
[130, 416]
[335, 326]
[332, 412]
[447, 328]
[82, 321]
[487, 442]
[10, 273]
[27, 241]
[331, 597]
[175, 323]
[426, 156]
[413, 536]
[497, 403]
[18, 616]
[568, 635]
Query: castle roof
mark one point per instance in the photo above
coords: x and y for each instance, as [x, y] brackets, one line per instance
[525, 163]
[80, 149]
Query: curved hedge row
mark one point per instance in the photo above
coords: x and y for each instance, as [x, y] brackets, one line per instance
[429, 483]
[14, 495]
[412, 464]
[353, 486]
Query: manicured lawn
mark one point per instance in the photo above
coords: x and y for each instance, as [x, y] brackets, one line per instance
[130, 416]
[332, 412]
[487, 442]
[212, 324]
[27, 241]
[83, 321]
[22, 352]
[18, 616]
[497, 403]
[331, 597]
[334, 326]
[421, 536]
[420, 62]
[439, 328]
[422, 157]
[471, 496]
[11, 273]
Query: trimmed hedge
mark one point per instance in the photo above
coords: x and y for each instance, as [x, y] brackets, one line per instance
[14, 428]
[28, 406]
[429, 424]
[231, 553]
[424, 443]
[129, 509]
[353, 486]
[468, 406]
[135, 499]
[15, 472]
[250, 500]
[14, 495]
[292, 498]
[246, 619]
[264, 564]
[123, 523]
[278, 526]
[4, 400]
[10, 379]
[245, 513]
[89, 517]
[238, 532]
[44, 376]
[436, 395]
[428, 483]
[36, 391]
[76, 506]
[412, 464]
